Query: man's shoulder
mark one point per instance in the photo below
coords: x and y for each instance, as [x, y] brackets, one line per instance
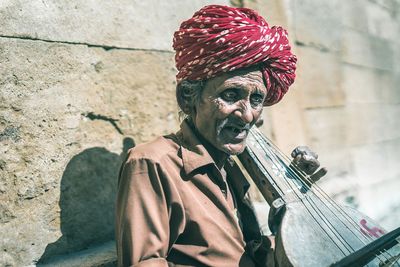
[155, 150]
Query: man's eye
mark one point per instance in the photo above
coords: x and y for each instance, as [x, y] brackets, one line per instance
[229, 95]
[256, 100]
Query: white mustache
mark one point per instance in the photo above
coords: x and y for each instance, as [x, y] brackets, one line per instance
[227, 122]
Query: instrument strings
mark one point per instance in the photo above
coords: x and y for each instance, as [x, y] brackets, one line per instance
[267, 147]
[292, 169]
[298, 195]
[296, 174]
[299, 174]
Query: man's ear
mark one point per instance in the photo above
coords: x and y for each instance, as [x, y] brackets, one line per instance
[186, 106]
[186, 102]
[188, 94]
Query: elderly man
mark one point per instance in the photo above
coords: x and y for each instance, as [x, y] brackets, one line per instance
[176, 205]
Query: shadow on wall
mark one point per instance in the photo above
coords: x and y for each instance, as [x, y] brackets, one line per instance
[87, 197]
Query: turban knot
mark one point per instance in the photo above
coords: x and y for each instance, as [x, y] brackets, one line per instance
[220, 39]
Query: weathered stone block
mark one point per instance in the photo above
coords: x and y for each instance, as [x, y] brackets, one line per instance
[372, 18]
[370, 123]
[374, 164]
[103, 255]
[338, 162]
[318, 76]
[380, 22]
[68, 113]
[391, 5]
[287, 129]
[359, 22]
[122, 23]
[396, 68]
[364, 85]
[367, 51]
[275, 12]
[314, 27]
[325, 126]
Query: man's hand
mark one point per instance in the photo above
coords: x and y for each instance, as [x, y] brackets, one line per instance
[307, 161]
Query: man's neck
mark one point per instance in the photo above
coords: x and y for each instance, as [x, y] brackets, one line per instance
[218, 156]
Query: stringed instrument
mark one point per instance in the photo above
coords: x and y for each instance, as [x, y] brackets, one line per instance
[313, 230]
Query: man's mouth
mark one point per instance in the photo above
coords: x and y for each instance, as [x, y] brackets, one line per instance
[234, 132]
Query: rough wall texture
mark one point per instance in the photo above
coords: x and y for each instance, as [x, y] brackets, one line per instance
[345, 103]
[81, 82]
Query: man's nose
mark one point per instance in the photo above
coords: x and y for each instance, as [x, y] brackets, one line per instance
[244, 112]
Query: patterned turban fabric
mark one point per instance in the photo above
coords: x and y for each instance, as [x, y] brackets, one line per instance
[220, 39]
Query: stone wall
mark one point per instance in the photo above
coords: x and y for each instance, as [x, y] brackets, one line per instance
[345, 103]
[83, 81]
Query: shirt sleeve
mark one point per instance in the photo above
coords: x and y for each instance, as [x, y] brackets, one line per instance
[148, 220]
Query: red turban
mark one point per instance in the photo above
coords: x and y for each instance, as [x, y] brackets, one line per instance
[220, 39]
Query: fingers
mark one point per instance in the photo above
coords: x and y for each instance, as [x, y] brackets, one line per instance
[318, 175]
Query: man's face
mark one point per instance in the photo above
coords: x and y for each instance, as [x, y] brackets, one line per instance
[229, 106]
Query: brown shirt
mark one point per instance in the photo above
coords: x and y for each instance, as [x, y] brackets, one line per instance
[174, 207]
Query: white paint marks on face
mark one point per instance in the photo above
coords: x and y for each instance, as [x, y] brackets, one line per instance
[219, 104]
[219, 128]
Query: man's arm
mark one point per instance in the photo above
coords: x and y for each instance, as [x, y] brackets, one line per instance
[143, 217]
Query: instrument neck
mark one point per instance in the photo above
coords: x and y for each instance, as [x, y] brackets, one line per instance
[270, 170]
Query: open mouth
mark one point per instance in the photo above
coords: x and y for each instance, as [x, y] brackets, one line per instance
[236, 132]
[235, 129]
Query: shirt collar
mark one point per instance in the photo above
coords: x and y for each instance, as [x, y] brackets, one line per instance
[195, 155]
[238, 181]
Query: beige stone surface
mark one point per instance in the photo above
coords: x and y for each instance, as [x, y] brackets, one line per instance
[372, 123]
[121, 23]
[367, 51]
[65, 111]
[325, 127]
[391, 6]
[364, 85]
[287, 122]
[374, 164]
[319, 78]
[382, 21]
[396, 58]
[102, 255]
[274, 12]
[69, 111]
[376, 19]
[317, 23]
[359, 22]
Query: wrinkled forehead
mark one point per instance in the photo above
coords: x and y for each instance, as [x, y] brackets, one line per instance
[244, 71]
[250, 78]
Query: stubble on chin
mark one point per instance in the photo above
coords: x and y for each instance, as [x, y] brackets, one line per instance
[218, 129]
[227, 148]
[232, 151]
[220, 126]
